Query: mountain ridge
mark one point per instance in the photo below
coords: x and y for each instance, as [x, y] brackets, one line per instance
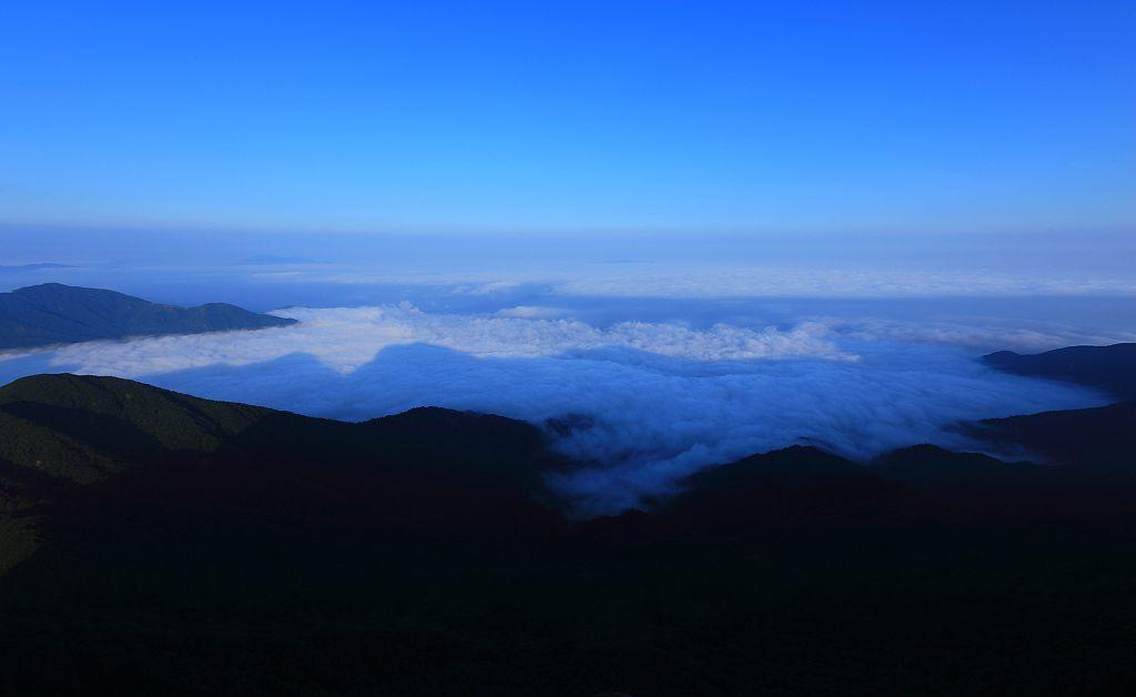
[418, 554]
[54, 313]
[1111, 368]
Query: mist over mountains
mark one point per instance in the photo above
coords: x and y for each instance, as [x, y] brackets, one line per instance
[162, 534]
[484, 466]
[662, 398]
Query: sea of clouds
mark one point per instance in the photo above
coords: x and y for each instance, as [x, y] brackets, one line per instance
[646, 356]
[646, 402]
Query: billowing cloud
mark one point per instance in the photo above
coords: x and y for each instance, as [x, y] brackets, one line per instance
[346, 338]
[657, 400]
[530, 311]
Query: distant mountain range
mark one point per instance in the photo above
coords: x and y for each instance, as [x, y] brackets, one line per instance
[53, 313]
[167, 544]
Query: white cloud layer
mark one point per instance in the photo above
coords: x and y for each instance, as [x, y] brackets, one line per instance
[344, 339]
[748, 280]
[992, 334]
[664, 399]
[813, 281]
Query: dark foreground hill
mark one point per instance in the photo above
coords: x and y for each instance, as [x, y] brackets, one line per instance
[71, 440]
[53, 313]
[162, 544]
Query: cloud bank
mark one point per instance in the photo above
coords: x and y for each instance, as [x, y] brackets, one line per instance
[661, 399]
[346, 338]
[655, 279]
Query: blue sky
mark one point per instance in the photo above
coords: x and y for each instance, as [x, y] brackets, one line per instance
[570, 116]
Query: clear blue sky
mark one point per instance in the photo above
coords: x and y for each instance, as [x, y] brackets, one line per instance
[746, 116]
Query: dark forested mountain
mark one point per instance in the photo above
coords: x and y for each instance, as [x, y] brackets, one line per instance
[929, 467]
[164, 544]
[53, 313]
[68, 436]
[1099, 439]
[1111, 368]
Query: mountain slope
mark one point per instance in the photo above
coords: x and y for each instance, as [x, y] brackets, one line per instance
[1101, 439]
[796, 487]
[928, 467]
[53, 313]
[1111, 368]
[157, 543]
[65, 426]
[74, 449]
[79, 428]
